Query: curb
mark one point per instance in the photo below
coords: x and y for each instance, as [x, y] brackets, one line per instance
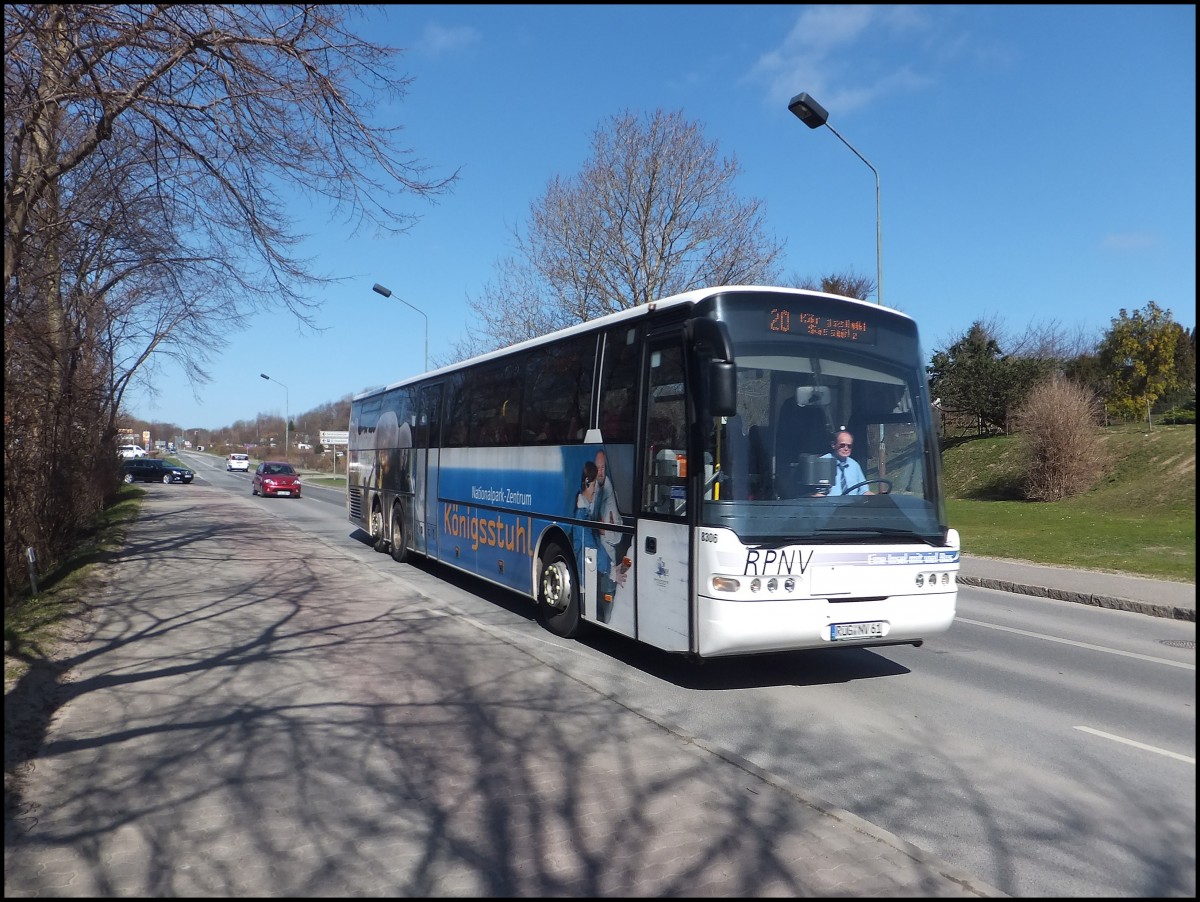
[1170, 612]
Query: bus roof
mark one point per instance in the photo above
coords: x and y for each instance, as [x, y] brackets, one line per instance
[693, 296]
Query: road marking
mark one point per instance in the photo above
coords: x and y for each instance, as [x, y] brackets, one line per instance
[1138, 745]
[1111, 651]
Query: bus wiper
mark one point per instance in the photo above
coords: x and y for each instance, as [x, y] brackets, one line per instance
[767, 545]
[877, 531]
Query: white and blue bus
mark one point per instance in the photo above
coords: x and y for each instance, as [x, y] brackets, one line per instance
[670, 472]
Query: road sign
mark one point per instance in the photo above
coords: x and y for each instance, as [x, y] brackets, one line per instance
[335, 438]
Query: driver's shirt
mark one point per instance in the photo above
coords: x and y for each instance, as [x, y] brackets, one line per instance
[852, 472]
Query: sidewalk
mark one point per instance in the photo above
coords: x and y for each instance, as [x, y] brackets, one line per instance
[241, 719]
[1156, 597]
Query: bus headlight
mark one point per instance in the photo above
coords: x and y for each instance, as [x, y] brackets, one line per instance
[933, 579]
[726, 584]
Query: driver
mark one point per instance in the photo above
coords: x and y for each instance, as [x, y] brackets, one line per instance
[849, 474]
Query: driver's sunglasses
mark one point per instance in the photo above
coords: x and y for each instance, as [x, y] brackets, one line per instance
[843, 444]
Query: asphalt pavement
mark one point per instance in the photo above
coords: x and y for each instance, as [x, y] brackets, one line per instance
[232, 722]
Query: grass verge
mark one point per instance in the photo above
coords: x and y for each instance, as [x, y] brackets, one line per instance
[1140, 518]
[32, 625]
[332, 482]
[1066, 535]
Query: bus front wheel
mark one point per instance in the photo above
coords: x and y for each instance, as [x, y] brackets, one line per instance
[558, 593]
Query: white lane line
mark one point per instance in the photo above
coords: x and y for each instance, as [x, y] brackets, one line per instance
[1138, 745]
[1111, 651]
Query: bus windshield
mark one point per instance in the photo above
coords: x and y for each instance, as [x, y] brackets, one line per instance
[833, 438]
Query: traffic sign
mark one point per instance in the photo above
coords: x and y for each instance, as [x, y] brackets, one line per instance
[335, 438]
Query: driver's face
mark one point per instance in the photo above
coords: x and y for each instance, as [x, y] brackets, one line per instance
[843, 445]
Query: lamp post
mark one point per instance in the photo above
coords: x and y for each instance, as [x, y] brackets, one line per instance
[286, 414]
[814, 115]
[387, 293]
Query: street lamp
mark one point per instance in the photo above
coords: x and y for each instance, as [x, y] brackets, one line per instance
[387, 293]
[814, 115]
[286, 414]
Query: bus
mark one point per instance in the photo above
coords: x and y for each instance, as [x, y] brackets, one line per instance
[667, 472]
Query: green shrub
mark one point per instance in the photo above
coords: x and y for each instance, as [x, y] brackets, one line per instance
[1177, 416]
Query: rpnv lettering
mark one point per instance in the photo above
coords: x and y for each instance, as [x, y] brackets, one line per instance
[776, 561]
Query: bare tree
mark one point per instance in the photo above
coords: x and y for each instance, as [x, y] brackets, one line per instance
[1049, 341]
[224, 102]
[652, 213]
[148, 150]
[848, 284]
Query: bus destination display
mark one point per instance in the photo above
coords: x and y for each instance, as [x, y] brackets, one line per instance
[837, 328]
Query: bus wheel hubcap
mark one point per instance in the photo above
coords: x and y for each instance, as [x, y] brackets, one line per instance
[556, 586]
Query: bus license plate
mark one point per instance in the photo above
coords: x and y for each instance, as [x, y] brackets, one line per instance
[875, 629]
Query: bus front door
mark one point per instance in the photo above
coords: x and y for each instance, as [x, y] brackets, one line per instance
[664, 610]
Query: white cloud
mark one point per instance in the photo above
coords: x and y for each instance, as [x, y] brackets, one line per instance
[1129, 241]
[841, 55]
[437, 39]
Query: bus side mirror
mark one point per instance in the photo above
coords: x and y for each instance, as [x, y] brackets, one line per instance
[722, 388]
[710, 346]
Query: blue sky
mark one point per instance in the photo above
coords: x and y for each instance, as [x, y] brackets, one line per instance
[1037, 167]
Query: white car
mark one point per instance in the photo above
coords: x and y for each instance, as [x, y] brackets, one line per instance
[128, 452]
[238, 462]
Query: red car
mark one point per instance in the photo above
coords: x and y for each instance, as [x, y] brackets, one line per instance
[277, 478]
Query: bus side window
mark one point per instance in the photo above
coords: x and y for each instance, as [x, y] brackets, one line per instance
[618, 396]
[558, 387]
[618, 416]
[457, 412]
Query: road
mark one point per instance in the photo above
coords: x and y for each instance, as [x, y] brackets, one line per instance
[1045, 746]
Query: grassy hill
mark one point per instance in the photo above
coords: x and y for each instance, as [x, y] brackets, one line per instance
[1139, 519]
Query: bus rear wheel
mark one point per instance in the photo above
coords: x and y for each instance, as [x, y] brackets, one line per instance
[399, 539]
[558, 593]
[377, 533]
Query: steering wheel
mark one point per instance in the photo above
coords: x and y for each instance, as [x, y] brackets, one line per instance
[886, 483]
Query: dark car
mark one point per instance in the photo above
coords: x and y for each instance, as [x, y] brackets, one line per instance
[274, 477]
[151, 469]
